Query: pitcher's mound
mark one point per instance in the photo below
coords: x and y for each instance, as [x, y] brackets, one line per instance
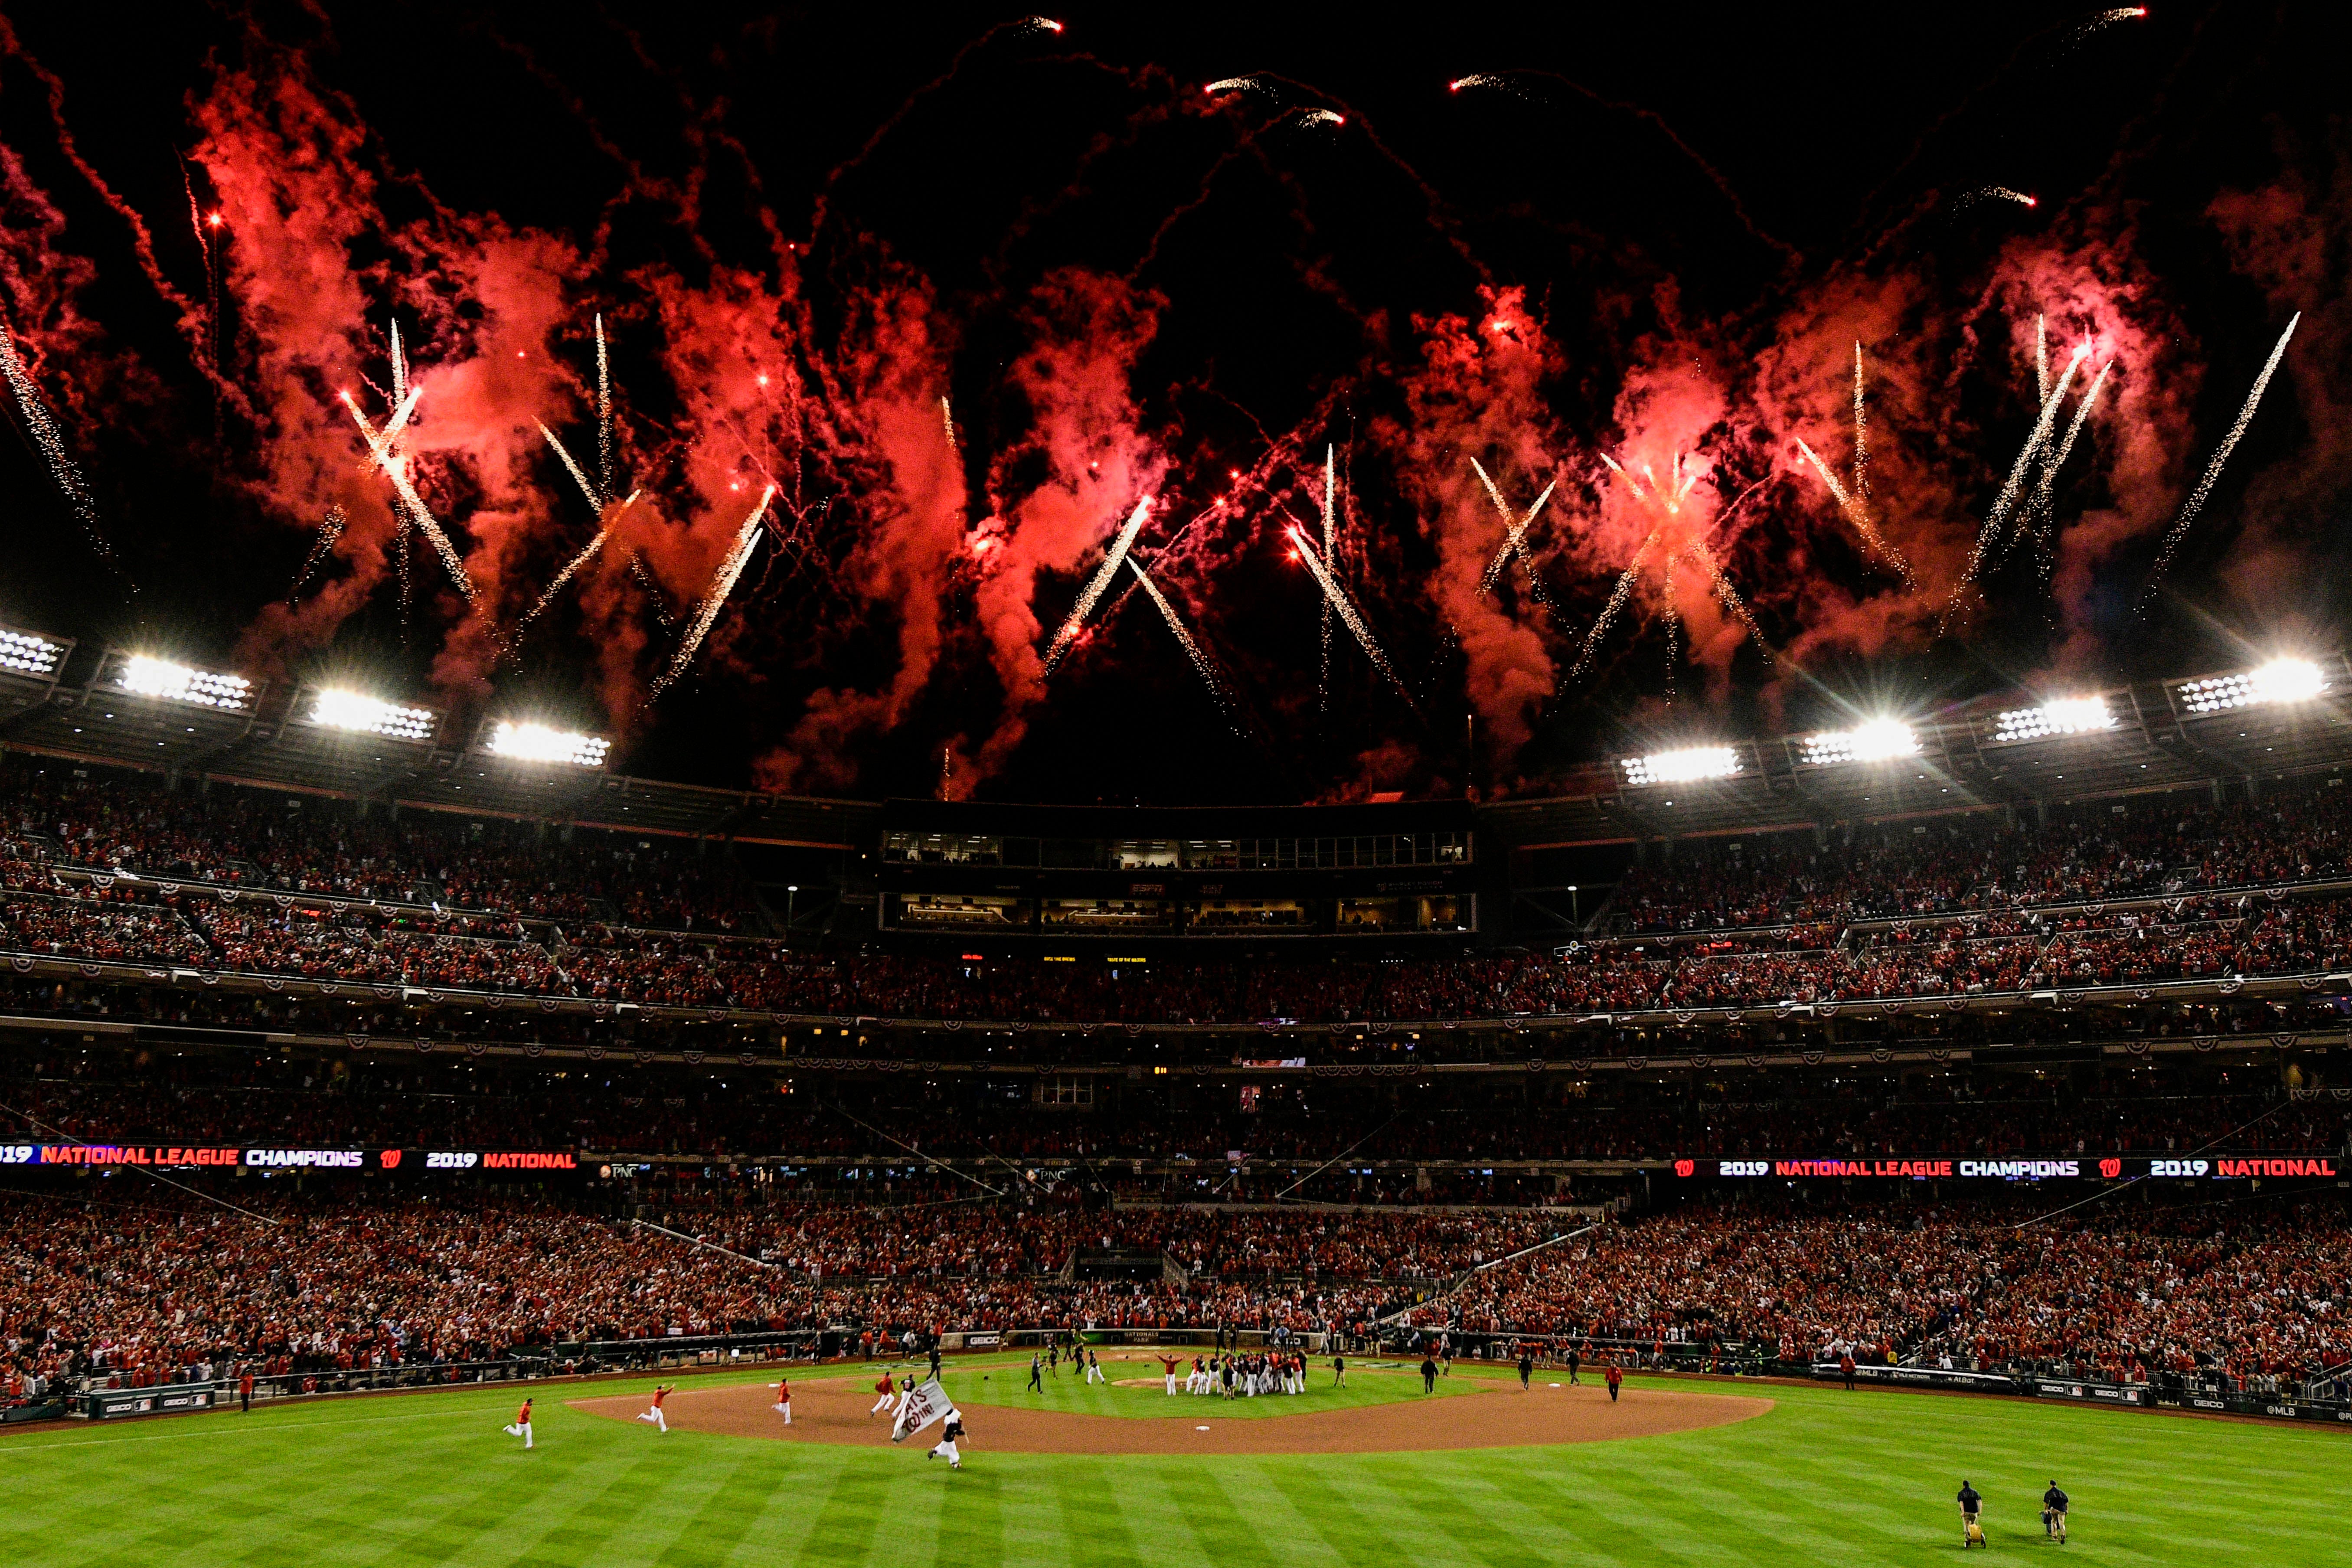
[834, 1410]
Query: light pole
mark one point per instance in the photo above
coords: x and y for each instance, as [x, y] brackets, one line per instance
[1575, 915]
[792, 890]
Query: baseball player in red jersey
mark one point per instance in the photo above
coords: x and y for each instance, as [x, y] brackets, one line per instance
[889, 1397]
[1169, 1363]
[784, 1404]
[654, 1414]
[521, 1424]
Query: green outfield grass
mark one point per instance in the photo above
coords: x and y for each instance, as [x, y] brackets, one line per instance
[1827, 1477]
[1367, 1384]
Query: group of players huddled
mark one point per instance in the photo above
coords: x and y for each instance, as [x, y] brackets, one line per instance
[1239, 1376]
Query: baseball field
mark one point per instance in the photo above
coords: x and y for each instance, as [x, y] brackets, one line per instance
[1678, 1472]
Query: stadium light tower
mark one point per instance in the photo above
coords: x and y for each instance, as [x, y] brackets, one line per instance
[143, 674]
[332, 709]
[1690, 764]
[2280, 681]
[1880, 740]
[531, 742]
[2061, 716]
[31, 655]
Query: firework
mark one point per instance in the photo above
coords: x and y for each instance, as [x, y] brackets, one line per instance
[1727, 595]
[1674, 629]
[43, 431]
[1861, 431]
[1858, 515]
[331, 528]
[380, 447]
[1516, 542]
[603, 423]
[1609, 612]
[2102, 19]
[1320, 117]
[1234, 84]
[594, 492]
[1631, 482]
[1330, 552]
[1096, 583]
[1340, 601]
[1176, 625]
[1995, 194]
[746, 540]
[947, 418]
[1998, 514]
[2041, 359]
[2039, 505]
[2195, 501]
[588, 552]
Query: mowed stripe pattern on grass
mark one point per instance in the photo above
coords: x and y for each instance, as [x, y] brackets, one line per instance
[1824, 1478]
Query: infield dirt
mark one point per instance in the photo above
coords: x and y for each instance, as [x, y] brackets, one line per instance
[835, 1410]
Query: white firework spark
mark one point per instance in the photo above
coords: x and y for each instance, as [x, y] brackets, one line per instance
[1998, 514]
[1340, 601]
[44, 434]
[2195, 502]
[1727, 595]
[604, 421]
[1096, 583]
[1235, 84]
[331, 528]
[1516, 542]
[1183, 636]
[746, 540]
[1320, 117]
[2045, 488]
[380, 447]
[947, 418]
[1861, 430]
[1858, 515]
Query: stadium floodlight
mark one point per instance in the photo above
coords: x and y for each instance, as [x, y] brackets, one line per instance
[22, 653]
[1686, 765]
[1876, 742]
[2280, 681]
[372, 716]
[144, 677]
[538, 744]
[2065, 716]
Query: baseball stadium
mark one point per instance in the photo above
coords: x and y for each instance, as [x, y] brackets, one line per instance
[1229, 787]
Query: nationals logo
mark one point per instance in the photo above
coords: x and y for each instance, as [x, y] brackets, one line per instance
[391, 1158]
[2111, 1169]
[1685, 1167]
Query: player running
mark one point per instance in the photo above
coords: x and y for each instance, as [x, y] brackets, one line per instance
[1093, 1369]
[661, 1392]
[1526, 1368]
[784, 1404]
[946, 1448]
[889, 1400]
[1036, 1373]
[1971, 1504]
[520, 1428]
[2053, 1514]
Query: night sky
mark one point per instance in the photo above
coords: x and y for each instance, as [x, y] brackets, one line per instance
[1653, 235]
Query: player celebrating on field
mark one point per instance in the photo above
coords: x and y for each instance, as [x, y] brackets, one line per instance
[661, 1392]
[520, 1428]
[890, 1393]
[784, 1404]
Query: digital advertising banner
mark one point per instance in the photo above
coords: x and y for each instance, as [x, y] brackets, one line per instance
[1965, 1168]
[179, 1157]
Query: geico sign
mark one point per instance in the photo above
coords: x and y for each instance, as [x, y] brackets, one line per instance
[316, 1158]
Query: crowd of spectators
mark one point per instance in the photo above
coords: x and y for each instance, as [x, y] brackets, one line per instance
[289, 1285]
[1901, 870]
[252, 839]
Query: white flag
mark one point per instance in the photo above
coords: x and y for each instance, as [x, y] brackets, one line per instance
[926, 1405]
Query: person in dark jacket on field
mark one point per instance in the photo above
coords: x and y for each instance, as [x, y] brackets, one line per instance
[1971, 1503]
[2053, 1514]
[1526, 1368]
[1428, 1375]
